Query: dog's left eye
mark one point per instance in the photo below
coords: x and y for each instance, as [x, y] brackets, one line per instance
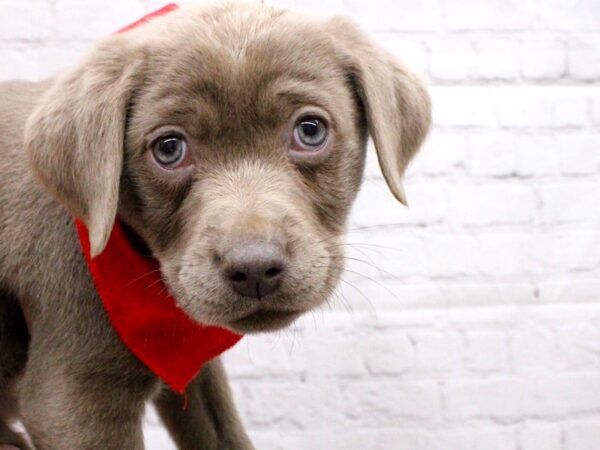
[310, 133]
[170, 152]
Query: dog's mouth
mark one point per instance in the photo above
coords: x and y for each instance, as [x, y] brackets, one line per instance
[208, 294]
[264, 320]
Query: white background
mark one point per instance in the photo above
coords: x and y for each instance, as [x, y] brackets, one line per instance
[481, 328]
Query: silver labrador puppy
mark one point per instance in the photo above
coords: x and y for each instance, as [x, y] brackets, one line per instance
[230, 139]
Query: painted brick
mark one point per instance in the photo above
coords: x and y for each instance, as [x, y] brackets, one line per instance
[491, 154]
[491, 15]
[498, 59]
[579, 346]
[452, 61]
[536, 436]
[81, 19]
[391, 355]
[19, 63]
[384, 403]
[577, 249]
[315, 6]
[451, 254]
[544, 59]
[505, 254]
[542, 107]
[468, 293]
[499, 398]
[537, 155]
[583, 15]
[571, 289]
[399, 14]
[375, 205]
[485, 205]
[486, 351]
[564, 394]
[478, 438]
[596, 110]
[583, 435]
[570, 202]
[26, 20]
[584, 61]
[534, 350]
[438, 351]
[443, 153]
[478, 106]
[579, 154]
[412, 54]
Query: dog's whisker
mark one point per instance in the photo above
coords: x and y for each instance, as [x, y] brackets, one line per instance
[368, 300]
[388, 290]
[361, 251]
[375, 266]
[155, 282]
[335, 247]
[337, 294]
[368, 245]
[294, 333]
[142, 276]
[340, 279]
[350, 258]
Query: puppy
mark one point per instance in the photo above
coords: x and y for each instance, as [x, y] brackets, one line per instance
[230, 139]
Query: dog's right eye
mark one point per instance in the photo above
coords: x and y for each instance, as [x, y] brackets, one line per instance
[311, 139]
[170, 152]
[310, 133]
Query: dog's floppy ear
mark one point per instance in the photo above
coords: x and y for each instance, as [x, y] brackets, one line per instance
[75, 135]
[396, 104]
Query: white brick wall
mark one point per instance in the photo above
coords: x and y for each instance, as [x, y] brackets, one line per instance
[473, 322]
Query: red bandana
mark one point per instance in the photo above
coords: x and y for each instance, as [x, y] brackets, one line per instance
[144, 315]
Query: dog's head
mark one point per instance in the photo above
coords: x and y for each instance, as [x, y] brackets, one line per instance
[231, 139]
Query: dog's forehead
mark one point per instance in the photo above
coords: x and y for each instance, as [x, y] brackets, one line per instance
[256, 60]
[234, 35]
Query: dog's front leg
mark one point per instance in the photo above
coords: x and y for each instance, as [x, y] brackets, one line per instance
[71, 405]
[205, 418]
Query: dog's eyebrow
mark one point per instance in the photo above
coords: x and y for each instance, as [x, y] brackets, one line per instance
[304, 94]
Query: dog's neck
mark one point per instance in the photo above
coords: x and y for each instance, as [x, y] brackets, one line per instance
[136, 241]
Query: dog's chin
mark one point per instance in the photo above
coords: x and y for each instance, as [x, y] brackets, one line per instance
[263, 320]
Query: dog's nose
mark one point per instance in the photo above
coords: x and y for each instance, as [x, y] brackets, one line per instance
[253, 268]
